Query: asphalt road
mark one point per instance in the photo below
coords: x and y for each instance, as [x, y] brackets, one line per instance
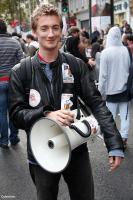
[16, 184]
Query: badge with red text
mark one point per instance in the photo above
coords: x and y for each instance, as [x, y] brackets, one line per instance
[34, 98]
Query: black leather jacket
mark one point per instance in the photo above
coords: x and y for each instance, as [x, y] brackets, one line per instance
[23, 115]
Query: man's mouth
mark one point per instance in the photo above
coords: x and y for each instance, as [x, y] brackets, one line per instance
[50, 40]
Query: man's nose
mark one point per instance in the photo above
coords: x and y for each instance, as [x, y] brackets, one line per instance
[51, 32]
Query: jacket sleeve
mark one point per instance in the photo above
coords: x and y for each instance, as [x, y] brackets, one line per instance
[92, 98]
[20, 112]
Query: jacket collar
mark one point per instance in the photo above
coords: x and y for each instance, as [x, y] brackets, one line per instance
[52, 64]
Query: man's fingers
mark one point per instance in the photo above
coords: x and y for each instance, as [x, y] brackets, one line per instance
[67, 113]
[65, 117]
[64, 122]
[62, 116]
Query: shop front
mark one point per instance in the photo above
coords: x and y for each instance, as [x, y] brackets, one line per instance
[121, 12]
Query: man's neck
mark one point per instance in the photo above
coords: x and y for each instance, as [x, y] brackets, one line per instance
[48, 56]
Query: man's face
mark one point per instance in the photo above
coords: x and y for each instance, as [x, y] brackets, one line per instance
[48, 32]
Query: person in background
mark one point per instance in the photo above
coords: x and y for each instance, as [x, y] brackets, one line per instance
[18, 37]
[95, 36]
[123, 27]
[130, 42]
[47, 78]
[94, 61]
[32, 45]
[85, 33]
[76, 44]
[124, 39]
[114, 71]
[72, 40]
[88, 49]
[10, 54]
[105, 35]
[101, 36]
[128, 29]
[83, 47]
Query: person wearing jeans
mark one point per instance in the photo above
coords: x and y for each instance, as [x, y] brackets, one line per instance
[4, 138]
[124, 116]
[114, 72]
[10, 54]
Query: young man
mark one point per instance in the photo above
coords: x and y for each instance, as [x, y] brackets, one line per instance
[47, 84]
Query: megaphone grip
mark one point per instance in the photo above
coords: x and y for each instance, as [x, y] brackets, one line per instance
[72, 126]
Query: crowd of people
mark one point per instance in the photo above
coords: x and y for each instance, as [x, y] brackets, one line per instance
[102, 61]
[108, 71]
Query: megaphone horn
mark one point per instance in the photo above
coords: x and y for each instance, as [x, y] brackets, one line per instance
[51, 144]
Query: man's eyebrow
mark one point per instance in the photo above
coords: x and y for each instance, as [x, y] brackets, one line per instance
[51, 25]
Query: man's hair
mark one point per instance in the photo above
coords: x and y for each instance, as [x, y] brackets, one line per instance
[3, 27]
[44, 10]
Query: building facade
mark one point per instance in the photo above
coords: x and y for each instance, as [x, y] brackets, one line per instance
[123, 10]
[131, 12]
[79, 11]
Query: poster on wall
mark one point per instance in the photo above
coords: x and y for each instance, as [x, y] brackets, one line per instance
[100, 14]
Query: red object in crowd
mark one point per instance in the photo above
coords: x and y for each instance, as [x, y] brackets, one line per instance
[14, 23]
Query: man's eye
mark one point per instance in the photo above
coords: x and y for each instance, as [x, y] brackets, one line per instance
[56, 28]
[44, 29]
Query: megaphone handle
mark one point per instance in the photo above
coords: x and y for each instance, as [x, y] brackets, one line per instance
[79, 131]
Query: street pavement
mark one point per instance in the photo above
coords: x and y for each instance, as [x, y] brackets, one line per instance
[16, 184]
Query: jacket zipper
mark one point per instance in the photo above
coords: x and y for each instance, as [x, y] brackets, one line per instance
[49, 89]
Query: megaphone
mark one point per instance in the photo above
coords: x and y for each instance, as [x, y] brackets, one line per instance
[51, 144]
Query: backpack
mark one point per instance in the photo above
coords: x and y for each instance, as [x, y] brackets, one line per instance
[130, 77]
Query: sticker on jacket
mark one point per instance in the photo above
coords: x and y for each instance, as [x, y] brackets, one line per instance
[34, 98]
[67, 74]
[66, 101]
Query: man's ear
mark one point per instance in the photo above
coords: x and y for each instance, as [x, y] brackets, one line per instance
[34, 34]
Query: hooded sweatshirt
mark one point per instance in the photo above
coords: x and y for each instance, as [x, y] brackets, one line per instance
[114, 65]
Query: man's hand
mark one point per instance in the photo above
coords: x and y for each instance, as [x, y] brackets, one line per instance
[114, 162]
[63, 117]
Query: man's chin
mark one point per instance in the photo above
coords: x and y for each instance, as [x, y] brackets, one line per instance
[51, 48]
